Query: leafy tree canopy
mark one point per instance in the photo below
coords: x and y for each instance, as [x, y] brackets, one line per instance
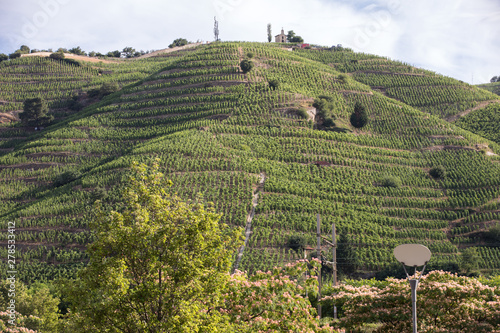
[178, 42]
[129, 51]
[35, 112]
[77, 50]
[156, 266]
[246, 65]
[293, 38]
[359, 117]
[451, 304]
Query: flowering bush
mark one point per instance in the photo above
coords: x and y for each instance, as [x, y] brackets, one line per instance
[21, 323]
[445, 303]
[273, 301]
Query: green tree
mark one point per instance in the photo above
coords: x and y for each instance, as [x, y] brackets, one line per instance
[246, 65]
[469, 260]
[178, 42]
[24, 49]
[293, 38]
[493, 234]
[35, 112]
[359, 117]
[129, 51]
[57, 55]
[390, 181]
[274, 83]
[269, 33]
[156, 266]
[77, 50]
[3, 57]
[437, 172]
[108, 88]
[36, 303]
[15, 55]
[114, 54]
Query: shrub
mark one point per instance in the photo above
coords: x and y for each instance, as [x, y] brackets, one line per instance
[178, 42]
[274, 84]
[437, 172]
[493, 234]
[296, 242]
[390, 181]
[74, 104]
[302, 112]
[14, 55]
[343, 78]
[324, 105]
[250, 55]
[359, 117]
[66, 177]
[246, 65]
[57, 56]
[329, 122]
[93, 93]
[108, 88]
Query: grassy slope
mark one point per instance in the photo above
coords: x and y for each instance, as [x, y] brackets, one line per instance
[493, 87]
[216, 130]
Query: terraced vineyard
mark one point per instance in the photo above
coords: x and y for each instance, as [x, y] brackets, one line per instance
[217, 130]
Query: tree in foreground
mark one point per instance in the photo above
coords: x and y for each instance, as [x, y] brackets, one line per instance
[445, 303]
[35, 112]
[157, 266]
[359, 117]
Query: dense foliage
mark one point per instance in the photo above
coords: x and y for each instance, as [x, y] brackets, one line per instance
[156, 266]
[445, 303]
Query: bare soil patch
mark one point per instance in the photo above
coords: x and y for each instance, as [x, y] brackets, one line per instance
[71, 56]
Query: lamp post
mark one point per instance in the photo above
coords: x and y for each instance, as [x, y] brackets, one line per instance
[413, 255]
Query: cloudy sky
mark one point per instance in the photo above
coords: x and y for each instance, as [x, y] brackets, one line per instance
[457, 38]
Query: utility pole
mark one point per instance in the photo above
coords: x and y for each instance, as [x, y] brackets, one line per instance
[318, 253]
[216, 29]
[334, 263]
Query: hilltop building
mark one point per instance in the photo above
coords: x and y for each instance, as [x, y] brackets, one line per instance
[281, 38]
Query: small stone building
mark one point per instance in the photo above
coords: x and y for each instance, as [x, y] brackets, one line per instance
[281, 38]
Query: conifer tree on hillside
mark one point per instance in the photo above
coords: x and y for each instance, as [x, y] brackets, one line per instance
[35, 112]
[359, 117]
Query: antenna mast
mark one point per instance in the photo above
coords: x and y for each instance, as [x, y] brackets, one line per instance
[216, 29]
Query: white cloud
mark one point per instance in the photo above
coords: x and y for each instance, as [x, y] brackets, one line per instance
[457, 38]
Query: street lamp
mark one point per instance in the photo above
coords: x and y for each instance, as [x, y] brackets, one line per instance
[413, 255]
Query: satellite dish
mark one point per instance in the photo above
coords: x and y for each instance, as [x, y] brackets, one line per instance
[412, 254]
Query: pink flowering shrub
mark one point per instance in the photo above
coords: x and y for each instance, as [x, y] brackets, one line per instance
[20, 323]
[445, 303]
[273, 301]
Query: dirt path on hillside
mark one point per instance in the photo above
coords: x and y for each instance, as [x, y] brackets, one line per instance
[248, 227]
[466, 112]
[169, 50]
[70, 56]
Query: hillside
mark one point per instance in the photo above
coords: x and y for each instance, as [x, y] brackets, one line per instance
[493, 87]
[241, 143]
